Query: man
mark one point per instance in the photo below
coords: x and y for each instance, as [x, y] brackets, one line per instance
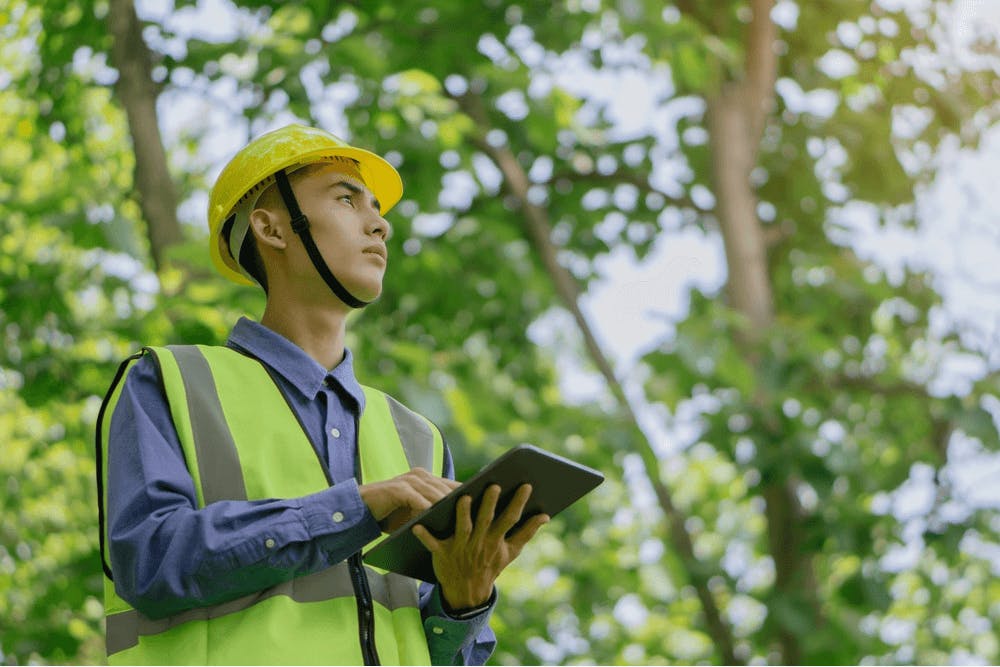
[240, 485]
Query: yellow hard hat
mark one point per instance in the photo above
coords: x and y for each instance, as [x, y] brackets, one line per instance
[289, 146]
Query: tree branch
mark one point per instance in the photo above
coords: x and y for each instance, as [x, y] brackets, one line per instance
[871, 385]
[941, 429]
[689, 8]
[775, 235]
[625, 177]
[138, 92]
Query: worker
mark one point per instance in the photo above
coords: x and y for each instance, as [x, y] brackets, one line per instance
[240, 485]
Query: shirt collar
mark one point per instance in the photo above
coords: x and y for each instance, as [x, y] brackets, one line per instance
[292, 363]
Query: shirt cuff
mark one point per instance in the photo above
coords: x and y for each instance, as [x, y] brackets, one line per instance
[338, 509]
[447, 635]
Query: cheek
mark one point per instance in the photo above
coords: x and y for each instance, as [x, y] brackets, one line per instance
[329, 233]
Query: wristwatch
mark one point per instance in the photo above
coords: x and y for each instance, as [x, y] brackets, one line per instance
[466, 614]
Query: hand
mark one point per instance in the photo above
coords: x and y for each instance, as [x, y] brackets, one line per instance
[395, 501]
[467, 563]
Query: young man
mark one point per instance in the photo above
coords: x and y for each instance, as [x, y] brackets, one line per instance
[241, 484]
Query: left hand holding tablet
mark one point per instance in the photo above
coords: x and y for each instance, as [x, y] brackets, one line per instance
[467, 563]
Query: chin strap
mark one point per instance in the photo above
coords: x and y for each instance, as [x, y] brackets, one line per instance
[300, 225]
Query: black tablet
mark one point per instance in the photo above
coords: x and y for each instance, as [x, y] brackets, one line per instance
[556, 483]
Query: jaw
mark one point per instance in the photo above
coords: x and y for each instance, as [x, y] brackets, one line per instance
[366, 287]
[366, 283]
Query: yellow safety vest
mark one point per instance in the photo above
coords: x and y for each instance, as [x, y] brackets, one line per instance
[234, 424]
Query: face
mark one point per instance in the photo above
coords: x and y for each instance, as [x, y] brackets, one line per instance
[348, 229]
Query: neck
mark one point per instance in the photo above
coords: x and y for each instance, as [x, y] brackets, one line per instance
[319, 332]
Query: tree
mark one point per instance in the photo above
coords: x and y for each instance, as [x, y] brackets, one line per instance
[764, 539]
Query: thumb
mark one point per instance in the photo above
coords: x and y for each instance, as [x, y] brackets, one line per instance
[430, 542]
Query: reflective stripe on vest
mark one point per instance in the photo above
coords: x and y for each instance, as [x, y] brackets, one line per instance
[392, 592]
[226, 410]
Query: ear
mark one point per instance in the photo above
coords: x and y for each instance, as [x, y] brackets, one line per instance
[268, 229]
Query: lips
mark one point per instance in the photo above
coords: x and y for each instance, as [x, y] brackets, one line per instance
[377, 249]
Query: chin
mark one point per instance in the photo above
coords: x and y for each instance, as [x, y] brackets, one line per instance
[367, 292]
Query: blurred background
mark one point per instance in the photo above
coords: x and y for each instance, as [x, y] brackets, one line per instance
[741, 256]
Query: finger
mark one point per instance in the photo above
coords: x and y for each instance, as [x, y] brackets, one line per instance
[432, 489]
[442, 482]
[525, 533]
[432, 543]
[445, 485]
[415, 500]
[463, 519]
[487, 508]
[512, 514]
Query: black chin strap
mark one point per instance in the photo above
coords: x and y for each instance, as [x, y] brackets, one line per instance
[300, 225]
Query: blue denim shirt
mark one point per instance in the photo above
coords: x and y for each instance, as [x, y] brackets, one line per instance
[169, 556]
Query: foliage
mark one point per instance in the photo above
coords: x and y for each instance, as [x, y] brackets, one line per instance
[836, 399]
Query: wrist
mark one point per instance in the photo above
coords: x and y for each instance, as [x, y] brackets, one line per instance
[466, 608]
[462, 602]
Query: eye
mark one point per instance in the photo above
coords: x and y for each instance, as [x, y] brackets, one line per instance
[347, 199]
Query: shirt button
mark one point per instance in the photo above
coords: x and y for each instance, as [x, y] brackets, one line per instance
[335, 432]
[337, 517]
[438, 630]
[269, 543]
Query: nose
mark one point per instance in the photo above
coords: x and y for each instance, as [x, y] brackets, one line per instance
[378, 226]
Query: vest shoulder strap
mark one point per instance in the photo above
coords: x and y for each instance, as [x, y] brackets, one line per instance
[421, 438]
[233, 422]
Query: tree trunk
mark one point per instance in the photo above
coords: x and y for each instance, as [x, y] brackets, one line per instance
[138, 92]
[735, 118]
[733, 158]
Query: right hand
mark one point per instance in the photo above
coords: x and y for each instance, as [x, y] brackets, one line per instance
[395, 501]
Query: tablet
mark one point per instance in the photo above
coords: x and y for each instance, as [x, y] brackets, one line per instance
[556, 483]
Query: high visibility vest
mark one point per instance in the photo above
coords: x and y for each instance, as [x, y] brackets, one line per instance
[242, 441]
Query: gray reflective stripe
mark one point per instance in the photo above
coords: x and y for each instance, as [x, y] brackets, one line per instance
[218, 460]
[121, 631]
[415, 434]
[392, 591]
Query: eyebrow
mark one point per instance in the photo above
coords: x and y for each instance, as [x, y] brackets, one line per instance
[351, 187]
